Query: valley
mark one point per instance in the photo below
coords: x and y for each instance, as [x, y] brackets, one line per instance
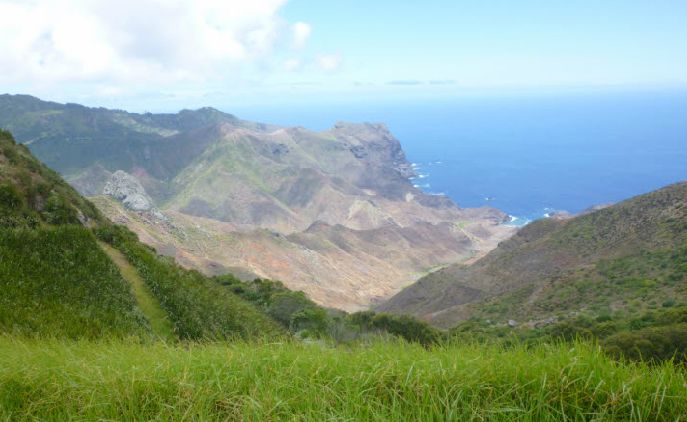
[330, 213]
[95, 323]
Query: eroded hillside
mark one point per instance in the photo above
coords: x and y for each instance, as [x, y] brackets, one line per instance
[332, 213]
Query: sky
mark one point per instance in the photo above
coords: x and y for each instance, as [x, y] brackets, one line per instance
[163, 55]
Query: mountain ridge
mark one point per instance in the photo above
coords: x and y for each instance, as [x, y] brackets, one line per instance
[206, 166]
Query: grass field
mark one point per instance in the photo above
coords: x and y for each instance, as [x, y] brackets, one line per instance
[58, 282]
[82, 380]
[149, 306]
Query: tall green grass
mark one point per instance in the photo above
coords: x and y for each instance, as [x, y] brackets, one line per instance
[56, 380]
[157, 317]
[58, 282]
[198, 307]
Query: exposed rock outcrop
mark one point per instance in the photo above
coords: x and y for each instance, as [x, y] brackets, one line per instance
[128, 190]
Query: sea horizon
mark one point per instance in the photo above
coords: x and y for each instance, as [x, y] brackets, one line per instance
[527, 155]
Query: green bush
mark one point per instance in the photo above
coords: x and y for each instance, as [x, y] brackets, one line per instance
[58, 211]
[651, 344]
[10, 198]
[284, 305]
[292, 309]
[408, 328]
[362, 319]
[313, 320]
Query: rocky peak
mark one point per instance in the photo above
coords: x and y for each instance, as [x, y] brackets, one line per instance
[127, 189]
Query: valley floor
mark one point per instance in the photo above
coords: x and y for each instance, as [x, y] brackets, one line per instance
[119, 380]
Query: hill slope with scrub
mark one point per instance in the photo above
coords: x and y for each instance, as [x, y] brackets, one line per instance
[629, 257]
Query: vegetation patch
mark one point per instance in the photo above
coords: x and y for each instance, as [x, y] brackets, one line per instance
[199, 308]
[32, 194]
[57, 282]
[58, 380]
[157, 317]
[300, 315]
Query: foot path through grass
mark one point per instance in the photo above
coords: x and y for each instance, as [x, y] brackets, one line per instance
[159, 322]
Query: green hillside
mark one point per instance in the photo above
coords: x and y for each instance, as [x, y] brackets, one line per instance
[71, 137]
[54, 279]
[624, 259]
[31, 194]
[199, 308]
[57, 281]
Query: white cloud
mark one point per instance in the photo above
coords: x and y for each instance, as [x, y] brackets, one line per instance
[329, 62]
[301, 33]
[291, 64]
[136, 41]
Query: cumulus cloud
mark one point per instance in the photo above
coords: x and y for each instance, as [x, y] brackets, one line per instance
[301, 33]
[49, 41]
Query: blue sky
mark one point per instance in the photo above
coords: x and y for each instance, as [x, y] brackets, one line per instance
[167, 55]
[494, 43]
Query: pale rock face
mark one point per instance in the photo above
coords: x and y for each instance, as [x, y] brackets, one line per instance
[128, 190]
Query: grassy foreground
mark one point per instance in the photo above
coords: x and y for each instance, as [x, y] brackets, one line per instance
[82, 380]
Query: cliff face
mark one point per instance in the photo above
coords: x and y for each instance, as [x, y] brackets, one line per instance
[332, 213]
[287, 179]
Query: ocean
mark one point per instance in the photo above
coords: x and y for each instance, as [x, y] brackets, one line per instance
[528, 155]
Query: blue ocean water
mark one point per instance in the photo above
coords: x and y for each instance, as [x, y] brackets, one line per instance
[527, 155]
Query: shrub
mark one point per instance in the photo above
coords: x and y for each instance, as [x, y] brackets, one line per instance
[283, 306]
[652, 344]
[569, 331]
[408, 328]
[362, 320]
[10, 198]
[57, 211]
[313, 319]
